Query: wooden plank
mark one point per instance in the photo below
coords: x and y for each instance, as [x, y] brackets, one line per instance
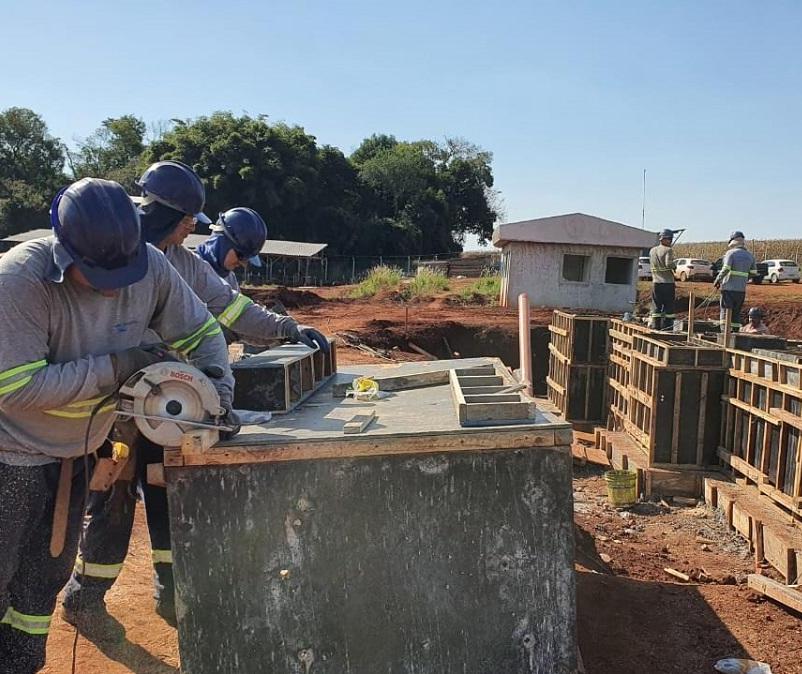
[677, 408]
[787, 596]
[359, 422]
[700, 429]
[399, 383]
[372, 445]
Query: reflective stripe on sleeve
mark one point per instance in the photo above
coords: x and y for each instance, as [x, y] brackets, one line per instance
[37, 625]
[109, 571]
[82, 409]
[739, 273]
[189, 344]
[162, 556]
[233, 311]
[19, 375]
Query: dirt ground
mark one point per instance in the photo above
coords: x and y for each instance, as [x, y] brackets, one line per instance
[633, 618]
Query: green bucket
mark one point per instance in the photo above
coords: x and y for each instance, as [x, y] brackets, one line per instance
[621, 489]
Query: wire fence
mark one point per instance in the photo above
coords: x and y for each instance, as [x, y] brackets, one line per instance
[345, 269]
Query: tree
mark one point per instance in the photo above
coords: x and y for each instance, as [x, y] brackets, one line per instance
[114, 151]
[31, 170]
[303, 191]
[433, 193]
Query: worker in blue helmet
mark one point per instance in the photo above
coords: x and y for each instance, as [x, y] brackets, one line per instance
[737, 267]
[74, 312]
[661, 259]
[173, 201]
[236, 240]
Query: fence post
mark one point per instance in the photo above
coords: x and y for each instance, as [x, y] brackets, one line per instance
[353, 269]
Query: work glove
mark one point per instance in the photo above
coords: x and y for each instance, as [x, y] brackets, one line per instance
[131, 361]
[231, 419]
[310, 337]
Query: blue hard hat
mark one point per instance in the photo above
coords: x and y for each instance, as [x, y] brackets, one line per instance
[246, 230]
[175, 185]
[97, 225]
[755, 311]
[667, 234]
[737, 234]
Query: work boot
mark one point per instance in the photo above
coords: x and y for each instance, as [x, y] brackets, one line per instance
[94, 622]
[166, 609]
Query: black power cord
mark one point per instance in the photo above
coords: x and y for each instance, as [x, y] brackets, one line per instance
[84, 508]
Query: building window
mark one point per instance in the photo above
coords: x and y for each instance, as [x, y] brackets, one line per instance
[575, 267]
[619, 270]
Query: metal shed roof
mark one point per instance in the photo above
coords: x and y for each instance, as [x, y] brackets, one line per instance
[576, 228]
[271, 247]
[22, 237]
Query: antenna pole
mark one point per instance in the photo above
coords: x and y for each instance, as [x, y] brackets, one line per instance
[643, 210]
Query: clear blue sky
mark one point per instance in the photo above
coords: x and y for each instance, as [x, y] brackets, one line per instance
[574, 99]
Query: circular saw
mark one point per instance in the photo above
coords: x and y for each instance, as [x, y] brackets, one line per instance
[167, 400]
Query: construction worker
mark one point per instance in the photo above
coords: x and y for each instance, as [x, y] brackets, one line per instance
[173, 200]
[755, 326]
[74, 310]
[237, 237]
[737, 266]
[661, 258]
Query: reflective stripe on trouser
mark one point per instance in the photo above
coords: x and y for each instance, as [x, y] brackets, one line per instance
[108, 532]
[30, 579]
[32, 624]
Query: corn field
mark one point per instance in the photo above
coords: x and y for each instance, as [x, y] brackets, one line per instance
[762, 249]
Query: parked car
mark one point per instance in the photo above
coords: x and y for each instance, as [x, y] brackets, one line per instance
[762, 271]
[693, 269]
[782, 270]
[644, 269]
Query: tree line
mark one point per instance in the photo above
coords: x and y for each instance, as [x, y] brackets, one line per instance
[389, 197]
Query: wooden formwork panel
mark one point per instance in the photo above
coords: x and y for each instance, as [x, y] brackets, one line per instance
[761, 429]
[580, 339]
[673, 350]
[675, 413]
[578, 391]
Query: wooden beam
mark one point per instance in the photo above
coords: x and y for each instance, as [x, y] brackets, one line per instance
[790, 597]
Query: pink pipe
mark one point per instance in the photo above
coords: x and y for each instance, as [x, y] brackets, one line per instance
[525, 342]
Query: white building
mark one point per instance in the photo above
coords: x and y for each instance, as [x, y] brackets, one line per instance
[572, 261]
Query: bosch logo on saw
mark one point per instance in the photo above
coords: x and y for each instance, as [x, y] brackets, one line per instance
[183, 376]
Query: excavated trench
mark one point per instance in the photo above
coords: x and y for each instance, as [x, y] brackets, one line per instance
[451, 339]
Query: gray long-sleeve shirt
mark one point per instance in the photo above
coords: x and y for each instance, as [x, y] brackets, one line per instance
[737, 265]
[661, 259]
[248, 321]
[55, 341]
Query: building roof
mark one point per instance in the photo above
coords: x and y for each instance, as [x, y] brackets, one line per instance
[576, 228]
[272, 247]
[22, 237]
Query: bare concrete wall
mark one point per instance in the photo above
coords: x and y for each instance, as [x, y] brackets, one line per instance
[537, 269]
